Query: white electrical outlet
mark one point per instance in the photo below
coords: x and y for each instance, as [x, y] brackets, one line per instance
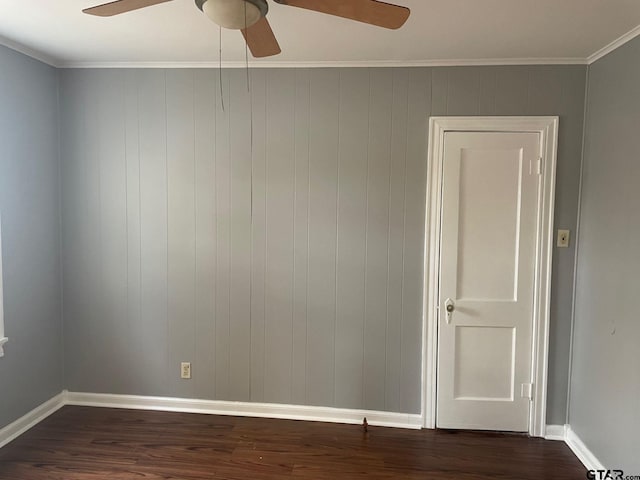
[563, 238]
[185, 370]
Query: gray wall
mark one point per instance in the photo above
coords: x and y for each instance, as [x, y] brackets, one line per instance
[319, 300]
[31, 370]
[605, 380]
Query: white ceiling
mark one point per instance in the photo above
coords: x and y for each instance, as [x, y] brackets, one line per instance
[438, 32]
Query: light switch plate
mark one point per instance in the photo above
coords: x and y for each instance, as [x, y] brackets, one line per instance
[563, 238]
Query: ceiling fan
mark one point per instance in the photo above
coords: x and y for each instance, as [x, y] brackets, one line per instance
[250, 16]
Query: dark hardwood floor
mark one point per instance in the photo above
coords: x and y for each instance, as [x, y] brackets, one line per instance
[79, 443]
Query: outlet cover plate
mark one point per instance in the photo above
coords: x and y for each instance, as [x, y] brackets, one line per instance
[564, 237]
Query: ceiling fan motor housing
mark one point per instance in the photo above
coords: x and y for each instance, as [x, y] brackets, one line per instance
[234, 14]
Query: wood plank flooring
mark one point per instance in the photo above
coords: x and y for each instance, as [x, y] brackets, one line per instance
[80, 443]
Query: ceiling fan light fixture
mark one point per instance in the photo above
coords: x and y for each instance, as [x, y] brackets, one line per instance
[235, 14]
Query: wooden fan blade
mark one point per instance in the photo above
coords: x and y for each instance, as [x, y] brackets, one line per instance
[120, 6]
[366, 11]
[261, 40]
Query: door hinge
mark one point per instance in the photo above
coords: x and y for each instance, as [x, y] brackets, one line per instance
[527, 391]
[535, 167]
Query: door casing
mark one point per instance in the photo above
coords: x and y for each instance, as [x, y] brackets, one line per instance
[547, 127]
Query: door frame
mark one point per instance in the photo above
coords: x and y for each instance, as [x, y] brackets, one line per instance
[547, 127]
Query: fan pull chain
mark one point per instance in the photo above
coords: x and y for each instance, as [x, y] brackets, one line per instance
[220, 66]
[246, 46]
[246, 60]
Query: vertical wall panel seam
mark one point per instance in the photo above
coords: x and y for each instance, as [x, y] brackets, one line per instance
[404, 243]
[86, 213]
[250, 89]
[448, 85]
[293, 226]
[166, 165]
[266, 228]
[195, 220]
[562, 108]
[126, 207]
[495, 92]
[366, 248]
[253, 386]
[306, 347]
[265, 369]
[101, 282]
[61, 256]
[527, 107]
[139, 199]
[230, 234]
[529, 81]
[425, 180]
[585, 121]
[216, 252]
[479, 90]
[479, 84]
[390, 171]
[306, 306]
[335, 313]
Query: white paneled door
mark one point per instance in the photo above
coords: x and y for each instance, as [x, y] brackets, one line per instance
[487, 277]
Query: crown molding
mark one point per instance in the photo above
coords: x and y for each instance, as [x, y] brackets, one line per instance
[617, 43]
[334, 64]
[53, 62]
[29, 52]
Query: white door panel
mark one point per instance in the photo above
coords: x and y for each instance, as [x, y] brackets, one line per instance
[487, 268]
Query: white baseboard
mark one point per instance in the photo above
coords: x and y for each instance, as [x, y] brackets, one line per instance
[581, 451]
[31, 419]
[246, 409]
[555, 432]
[566, 434]
[262, 410]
